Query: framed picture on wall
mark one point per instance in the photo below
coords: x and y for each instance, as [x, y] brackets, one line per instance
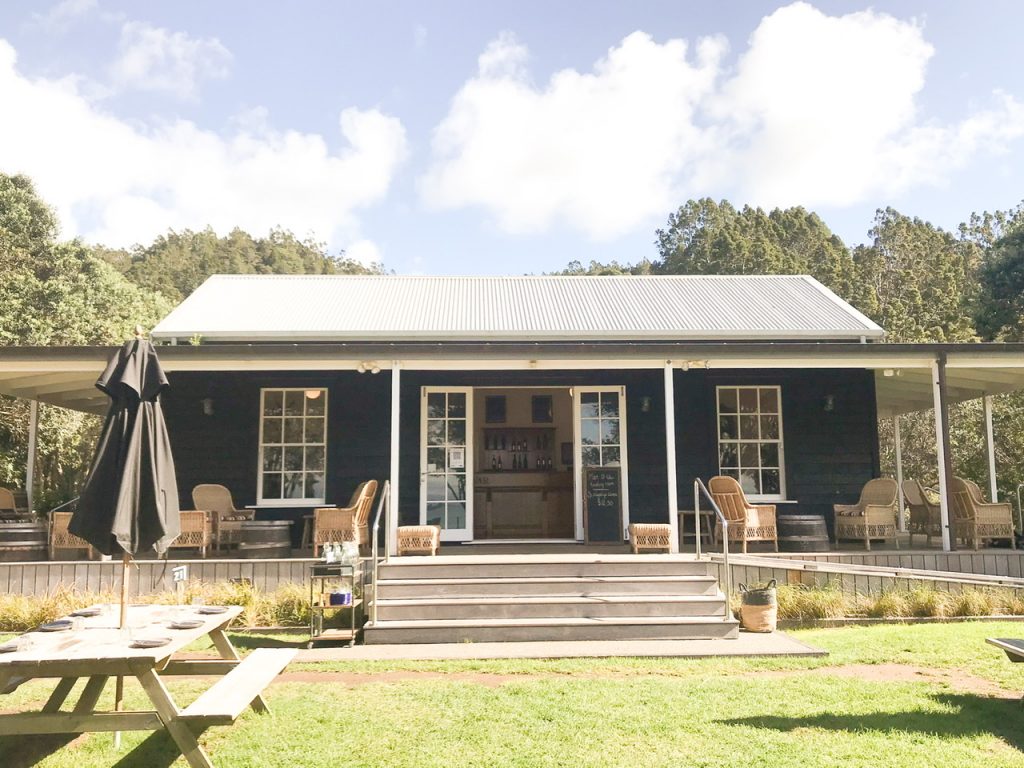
[566, 454]
[543, 412]
[494, 409]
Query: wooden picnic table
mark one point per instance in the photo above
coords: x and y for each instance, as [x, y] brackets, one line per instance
[99, 651]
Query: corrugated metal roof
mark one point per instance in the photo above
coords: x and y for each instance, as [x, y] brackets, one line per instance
[399, 308]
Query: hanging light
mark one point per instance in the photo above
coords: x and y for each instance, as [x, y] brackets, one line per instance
[313, 394]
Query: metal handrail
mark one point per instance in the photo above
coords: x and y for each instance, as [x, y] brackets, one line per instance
[382, 508]
[698, 489]
[59, 507]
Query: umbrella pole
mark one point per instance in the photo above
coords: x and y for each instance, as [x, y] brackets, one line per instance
[119, 682]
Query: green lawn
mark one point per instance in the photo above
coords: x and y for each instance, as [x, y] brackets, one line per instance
[931, 695]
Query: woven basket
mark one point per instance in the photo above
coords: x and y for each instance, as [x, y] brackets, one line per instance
[759, 610]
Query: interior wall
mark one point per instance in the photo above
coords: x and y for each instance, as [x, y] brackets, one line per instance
[519, 413]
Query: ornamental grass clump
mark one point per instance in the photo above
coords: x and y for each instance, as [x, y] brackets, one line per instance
[974, 602]
[923, 602]
[888, 604]
[803, 603]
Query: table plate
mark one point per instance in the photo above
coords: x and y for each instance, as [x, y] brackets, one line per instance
[212, 609]
[86, 612]
[187, 624]
[61, 625]
[150, 642]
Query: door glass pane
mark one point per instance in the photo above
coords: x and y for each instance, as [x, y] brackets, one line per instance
[435, 405]
[457, 432]
[457, 514]
[435, 459]
[456, 405]
[588, 405]
[436, 487]
[609, 431]
[590, 432]
[435, 432]
[591, 457]
[610, 457]
[610, 404]
[456, 487]
[435, 514]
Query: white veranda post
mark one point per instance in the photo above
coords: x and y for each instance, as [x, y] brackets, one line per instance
[30, 464]
[990, 446]
[396, 390]
[940, 450]
[670, 457]
[899, 471]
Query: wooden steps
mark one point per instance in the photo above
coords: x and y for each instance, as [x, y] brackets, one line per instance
[547, 598]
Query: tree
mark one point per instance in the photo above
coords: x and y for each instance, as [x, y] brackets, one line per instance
[177, 263]
[705, 237]
[1000, 305]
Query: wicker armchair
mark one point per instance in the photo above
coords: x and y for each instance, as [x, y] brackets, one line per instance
[62, 539]
[977, 520]
[349, 523]
[747, 522]
[196, 531]
[872, 517]
[216, 499]
[925, 516]
[7, 503]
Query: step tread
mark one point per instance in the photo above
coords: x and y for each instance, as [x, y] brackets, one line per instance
[382, 582]
[545, 599]
[519, 559]
[574, 621]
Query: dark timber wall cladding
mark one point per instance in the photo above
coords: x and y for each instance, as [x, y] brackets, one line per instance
[223, 447]
[645, 430]
[829, 454]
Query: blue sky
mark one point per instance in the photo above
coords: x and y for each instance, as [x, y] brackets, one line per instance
[478, 138]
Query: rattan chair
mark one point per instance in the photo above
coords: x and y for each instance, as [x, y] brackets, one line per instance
[925, 516]
[419, 539]
[62, 539]
[7, 503]
[977, 519]
[349, 523]
[216, 499]
[747, 522]
[196, 531]
[873, 516]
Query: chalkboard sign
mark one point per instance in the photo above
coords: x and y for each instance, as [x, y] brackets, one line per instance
[602, 503]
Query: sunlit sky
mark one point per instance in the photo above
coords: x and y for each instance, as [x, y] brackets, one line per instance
[484, 138]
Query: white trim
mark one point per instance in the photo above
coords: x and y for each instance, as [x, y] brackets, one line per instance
[448, 534]
[396, 400]
[940, 451]
[291, 501]
[990, 448]
[578, 455]
[875, 329]
[781, 495]
[30, 461]
[670, 456]
[899, 472]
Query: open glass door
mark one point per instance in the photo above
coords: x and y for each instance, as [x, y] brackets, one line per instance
[600, 437]
[446, 464]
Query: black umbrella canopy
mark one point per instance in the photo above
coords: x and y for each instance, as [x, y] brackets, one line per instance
[130, 500]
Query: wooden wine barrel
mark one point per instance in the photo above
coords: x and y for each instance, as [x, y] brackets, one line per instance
[22, 542]
[259, 539]
[802, 533]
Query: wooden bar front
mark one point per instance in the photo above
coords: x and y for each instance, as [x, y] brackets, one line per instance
[523, 505]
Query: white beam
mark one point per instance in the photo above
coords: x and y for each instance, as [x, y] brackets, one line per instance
[990, 447]
[670, 456]
[30, 463]
[899, 472]
[940, 450]
[396, 391]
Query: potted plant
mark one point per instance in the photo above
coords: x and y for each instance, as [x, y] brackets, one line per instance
[759, 607]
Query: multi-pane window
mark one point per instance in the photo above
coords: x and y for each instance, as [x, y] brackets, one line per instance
[447, 429]
[750, 439]
[599, 429]
[293, 445]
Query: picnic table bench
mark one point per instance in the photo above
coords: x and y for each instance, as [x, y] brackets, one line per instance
[99, 651]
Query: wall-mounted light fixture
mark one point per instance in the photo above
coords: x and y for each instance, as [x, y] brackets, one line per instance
[313, 394]
[828, 404]
[368, 365]
[645, 404]
[207, 406]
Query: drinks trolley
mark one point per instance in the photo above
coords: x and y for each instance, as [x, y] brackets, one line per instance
[333, 579]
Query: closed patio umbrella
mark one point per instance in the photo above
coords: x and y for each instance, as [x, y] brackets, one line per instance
[130, 500]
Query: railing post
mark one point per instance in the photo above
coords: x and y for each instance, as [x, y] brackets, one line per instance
[696, 517]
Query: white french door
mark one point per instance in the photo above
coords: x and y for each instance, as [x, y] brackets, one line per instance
[446, 461]
[599, 436]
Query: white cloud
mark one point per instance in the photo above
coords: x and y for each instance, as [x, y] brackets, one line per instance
[119, 183]
[816, 110]
[365, 252]
[154, 59]
[60, 16]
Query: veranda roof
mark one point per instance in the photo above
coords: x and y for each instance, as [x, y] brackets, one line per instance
[250, 308]
[66, 376]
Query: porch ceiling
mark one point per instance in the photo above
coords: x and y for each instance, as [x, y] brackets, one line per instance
[908, 390]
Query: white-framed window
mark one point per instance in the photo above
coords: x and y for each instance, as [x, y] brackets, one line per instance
[293, 446]
[750, 439]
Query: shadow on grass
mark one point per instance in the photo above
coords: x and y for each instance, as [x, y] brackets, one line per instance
[26, 751]
[157, 750]
[251, 642]
[973, 716]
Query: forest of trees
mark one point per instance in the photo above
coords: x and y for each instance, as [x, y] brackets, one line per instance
[918, 281]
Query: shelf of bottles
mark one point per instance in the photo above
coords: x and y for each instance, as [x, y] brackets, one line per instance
[518, 449]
